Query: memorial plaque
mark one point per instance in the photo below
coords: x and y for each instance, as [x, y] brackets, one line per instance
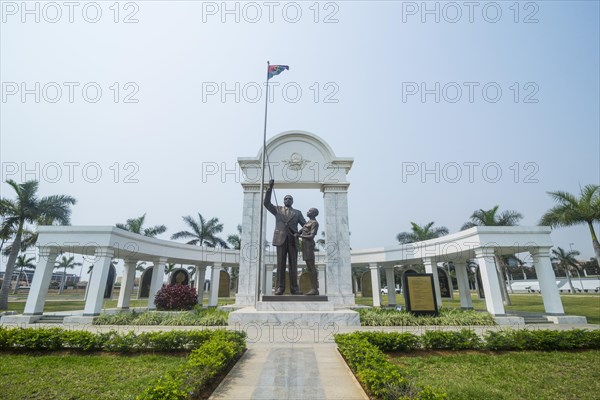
[304, 282]
[145, 281]
[110, 282]
[179, 276]
[419, 294]
[480, 291]
[223, 284]
[366, 286]
[444, 281]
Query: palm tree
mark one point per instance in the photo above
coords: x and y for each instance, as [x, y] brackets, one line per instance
[169, 267]
[21, 263]
[321, 241]
[28, 208]
[491, 217]
[566, 259]
[572, 210]
[65, 263]
[235, 240]
[419, 233]
[203, 232]
[135, 225]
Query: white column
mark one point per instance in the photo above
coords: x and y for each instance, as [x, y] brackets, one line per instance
[127, 285]
[463, 286]
[322, 279]
[200, 274]
[41, 282]
[431, 268]
[269, 279]
[489, 278]
[97, 285]
[338, 269]
[158, 276]
[391, 284]
[215, 276]
[547, 281]
[246, 293]
[375, 284]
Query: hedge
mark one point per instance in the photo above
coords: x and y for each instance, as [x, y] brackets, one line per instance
[214, 357]
[196, 317]
[380, 378]
[446, 317]
[50, 339]
[364, 353]
[212, 352]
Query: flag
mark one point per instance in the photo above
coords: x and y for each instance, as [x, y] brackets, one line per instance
[276, 70]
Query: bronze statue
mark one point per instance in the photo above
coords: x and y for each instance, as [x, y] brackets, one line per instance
[307, 234]
[284, 238]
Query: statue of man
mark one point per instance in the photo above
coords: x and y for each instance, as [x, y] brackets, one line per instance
[284, 238]
[307, 234]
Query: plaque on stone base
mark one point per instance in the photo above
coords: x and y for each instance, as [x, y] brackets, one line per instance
[419, 294]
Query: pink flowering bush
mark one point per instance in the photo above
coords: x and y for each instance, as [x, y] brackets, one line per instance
[176, 297]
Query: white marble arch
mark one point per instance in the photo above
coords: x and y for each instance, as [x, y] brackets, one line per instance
[298, 160]
[99, 244]
[482, 244]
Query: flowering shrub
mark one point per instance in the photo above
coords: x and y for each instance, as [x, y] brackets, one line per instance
[176, 297]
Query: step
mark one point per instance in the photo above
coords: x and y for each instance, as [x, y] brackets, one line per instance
[50, 319]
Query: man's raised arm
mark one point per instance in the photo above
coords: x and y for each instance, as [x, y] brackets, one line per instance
[267, 203]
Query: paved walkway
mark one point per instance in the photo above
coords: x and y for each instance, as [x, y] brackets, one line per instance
[290, 371]
[296, 362]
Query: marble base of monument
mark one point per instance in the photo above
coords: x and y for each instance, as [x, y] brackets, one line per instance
[294, 305]
[302, 313]
[295, 297]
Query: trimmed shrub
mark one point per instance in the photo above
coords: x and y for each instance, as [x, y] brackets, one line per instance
[446, 317]
[462, 340]
[197, 317]
[382, 379]
[213, 357]
[176, 297]
[392, 341]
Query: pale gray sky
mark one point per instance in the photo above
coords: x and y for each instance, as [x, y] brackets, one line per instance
[494, 103]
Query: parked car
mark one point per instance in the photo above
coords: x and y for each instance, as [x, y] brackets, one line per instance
[384, 290]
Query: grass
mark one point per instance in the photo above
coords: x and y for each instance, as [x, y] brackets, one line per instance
[64, 376]
[587, 305]
[507, 376]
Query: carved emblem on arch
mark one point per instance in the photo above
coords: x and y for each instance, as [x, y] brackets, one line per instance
[296, 162]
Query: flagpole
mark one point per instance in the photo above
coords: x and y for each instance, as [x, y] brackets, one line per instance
[262, 187]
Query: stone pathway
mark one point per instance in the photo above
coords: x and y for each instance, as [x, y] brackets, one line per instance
[290, 371]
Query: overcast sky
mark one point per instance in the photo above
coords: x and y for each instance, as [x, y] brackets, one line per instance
[445, 107]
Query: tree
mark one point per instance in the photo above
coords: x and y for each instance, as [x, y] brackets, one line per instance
[170, 267]
[566, 259]
[419, 233]
[321, 241]
[492, 218]
[204, 233]
[28, 208]
[65, 263]
[236, 239]
[572, 210]
[135, 225]
[21, 263]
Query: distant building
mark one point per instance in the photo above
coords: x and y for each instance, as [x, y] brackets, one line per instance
[55, 281]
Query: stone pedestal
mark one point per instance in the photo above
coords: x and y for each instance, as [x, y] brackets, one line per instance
[313, 314]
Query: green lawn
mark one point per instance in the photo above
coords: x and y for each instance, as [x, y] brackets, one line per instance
[507, 376]
[587, 305]
[98, 376]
